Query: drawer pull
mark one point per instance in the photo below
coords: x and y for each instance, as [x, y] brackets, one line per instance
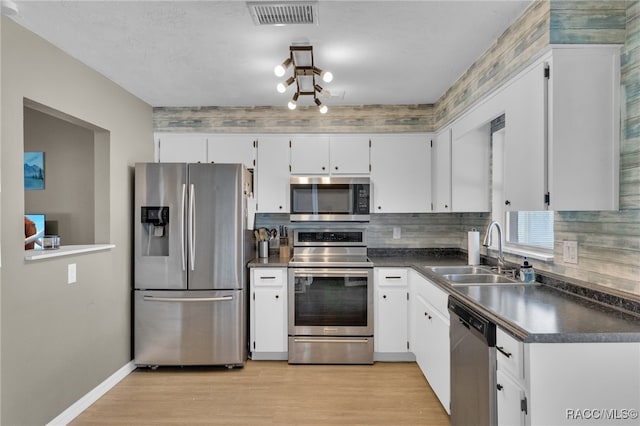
[505, 353]
[393, 277]
[267, 278]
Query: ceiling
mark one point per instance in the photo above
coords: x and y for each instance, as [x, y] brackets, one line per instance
[210, 53]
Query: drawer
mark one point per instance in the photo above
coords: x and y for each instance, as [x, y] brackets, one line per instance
[268, 277]
[391, 277]
[509, 354]
[431, 292]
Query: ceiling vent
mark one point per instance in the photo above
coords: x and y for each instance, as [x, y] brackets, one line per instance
[284, 13]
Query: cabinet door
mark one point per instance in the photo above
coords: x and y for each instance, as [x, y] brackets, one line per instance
[418, 324]
[268, 310]
[269, 320]
[437, 364]
[508, 397]
[400, 173]
[470, 170]
[584, 129]
[441, 172]
[181, 148]
[524, 142]
[231, 149]
[390, 327]
[310, 155]
[272, 171]
[349, 154]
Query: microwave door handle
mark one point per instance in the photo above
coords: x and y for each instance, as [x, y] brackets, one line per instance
[183, 247]
[192, 227]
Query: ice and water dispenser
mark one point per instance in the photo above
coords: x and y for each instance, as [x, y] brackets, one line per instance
[155, 231]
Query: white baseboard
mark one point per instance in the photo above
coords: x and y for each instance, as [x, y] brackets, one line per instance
[92, 396]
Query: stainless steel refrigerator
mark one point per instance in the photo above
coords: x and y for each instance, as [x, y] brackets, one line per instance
[190, 277]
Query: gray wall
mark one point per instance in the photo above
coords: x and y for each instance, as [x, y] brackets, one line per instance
[59, 341]
[68, 196]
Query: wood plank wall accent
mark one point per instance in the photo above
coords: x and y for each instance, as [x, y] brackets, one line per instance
[609, 242]
[340, 119]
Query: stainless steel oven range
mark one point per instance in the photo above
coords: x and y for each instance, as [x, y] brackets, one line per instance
[330, 298]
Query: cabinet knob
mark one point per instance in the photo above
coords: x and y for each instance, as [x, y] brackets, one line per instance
[379, 207]
[384, 296]
[280, 207]
[336, 167]
[499, 386]
[507, 203]
[323, 167]
[277, 296]
[446, 206]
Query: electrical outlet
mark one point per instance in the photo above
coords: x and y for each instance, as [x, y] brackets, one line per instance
[570, 251]
[71, 273]
[397, 233]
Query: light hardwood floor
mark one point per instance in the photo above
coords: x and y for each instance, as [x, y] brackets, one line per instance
[271, 392]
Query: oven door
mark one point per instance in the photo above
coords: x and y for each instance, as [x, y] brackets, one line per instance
[330, 301]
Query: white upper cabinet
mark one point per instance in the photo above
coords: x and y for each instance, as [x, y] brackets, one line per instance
[226, 148]
[400, 173]
[349, 154]
[272, 174]
[524, 147]
[470, 170]
[584, 128]
[329, 155]
[441, 172]
[562, 131]
[180, 147]
[310, 155]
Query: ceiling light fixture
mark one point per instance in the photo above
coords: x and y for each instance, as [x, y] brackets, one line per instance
[304, 75]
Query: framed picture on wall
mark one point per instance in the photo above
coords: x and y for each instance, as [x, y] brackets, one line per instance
[33, 170]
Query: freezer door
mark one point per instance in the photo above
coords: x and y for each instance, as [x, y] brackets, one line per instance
[160, 226]
[189, 328]
[217, 221]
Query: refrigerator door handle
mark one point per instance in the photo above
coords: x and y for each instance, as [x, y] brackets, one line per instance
[182, 217]
[187, 299]
[192, 226]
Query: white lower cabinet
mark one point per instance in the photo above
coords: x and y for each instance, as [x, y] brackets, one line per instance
[429, 334]
[510, 394]
[268, 313]
[391, 303]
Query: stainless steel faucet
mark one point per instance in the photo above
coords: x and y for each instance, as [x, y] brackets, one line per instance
[487, 243]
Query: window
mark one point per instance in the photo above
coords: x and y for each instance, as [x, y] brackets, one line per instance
[532, 229]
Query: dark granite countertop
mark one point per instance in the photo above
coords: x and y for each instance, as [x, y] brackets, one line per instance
[533, 313]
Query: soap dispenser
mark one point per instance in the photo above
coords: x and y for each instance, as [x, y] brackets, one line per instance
[527, 274]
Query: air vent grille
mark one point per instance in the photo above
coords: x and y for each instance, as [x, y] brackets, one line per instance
[264, 13]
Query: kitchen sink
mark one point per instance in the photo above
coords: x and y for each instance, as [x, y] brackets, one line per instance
[473, 270]
[475, 279]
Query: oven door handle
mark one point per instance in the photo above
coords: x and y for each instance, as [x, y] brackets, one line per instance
[322, 272]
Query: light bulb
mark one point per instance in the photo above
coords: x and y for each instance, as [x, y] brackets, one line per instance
[281, 88]
[292, 105]
[323, 109]
[279, 70]
[327, 76]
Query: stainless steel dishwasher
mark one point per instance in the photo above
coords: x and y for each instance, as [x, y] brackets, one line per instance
[473, 367]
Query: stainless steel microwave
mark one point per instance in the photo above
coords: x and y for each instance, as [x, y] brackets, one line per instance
[319, 198]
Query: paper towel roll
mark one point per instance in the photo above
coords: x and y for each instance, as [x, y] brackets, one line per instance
[473, 240]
